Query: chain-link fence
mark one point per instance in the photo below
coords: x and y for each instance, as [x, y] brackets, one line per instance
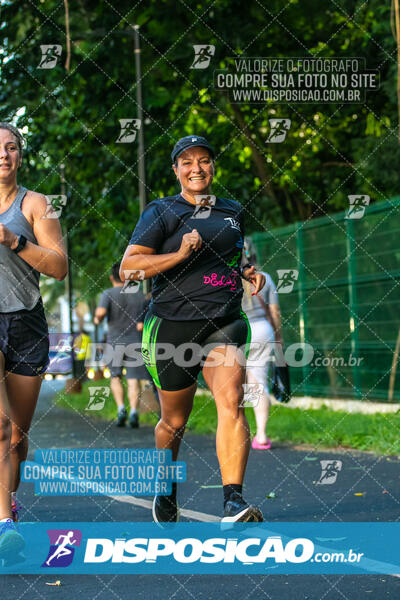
[338, 278]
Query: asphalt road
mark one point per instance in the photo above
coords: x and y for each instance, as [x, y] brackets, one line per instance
[289, 473]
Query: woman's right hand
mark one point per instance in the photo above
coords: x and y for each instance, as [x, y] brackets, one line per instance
[190, 242]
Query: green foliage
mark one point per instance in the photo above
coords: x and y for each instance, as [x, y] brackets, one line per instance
[79, 402]
[322, 427]
[72, 117]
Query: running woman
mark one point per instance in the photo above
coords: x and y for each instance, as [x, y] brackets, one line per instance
[30, 244]
[196, 302]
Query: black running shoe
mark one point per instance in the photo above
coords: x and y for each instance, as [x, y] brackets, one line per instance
[122, 416]
[134, 420]
[165, 509]
[238, 510]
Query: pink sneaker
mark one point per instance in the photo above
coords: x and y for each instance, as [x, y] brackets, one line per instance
[257, 446]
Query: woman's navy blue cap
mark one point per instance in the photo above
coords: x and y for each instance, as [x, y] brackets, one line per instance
[190, 141]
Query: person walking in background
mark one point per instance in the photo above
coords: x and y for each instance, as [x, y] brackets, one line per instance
[124, 308]
[264, 315]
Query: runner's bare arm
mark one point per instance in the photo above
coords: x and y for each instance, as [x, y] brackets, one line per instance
[49, 255]
[276, 321]
[99, 315]
[142, 258]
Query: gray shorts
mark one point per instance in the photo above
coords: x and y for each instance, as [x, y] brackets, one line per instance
[121, 362]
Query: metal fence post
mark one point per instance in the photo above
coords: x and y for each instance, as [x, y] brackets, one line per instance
[353, 306]
[302, 301]
[141, 153]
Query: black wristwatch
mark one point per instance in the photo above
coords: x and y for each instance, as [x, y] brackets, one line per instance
[246, 266]
[21, 244]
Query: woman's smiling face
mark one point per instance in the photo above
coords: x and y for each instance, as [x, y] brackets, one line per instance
[195, 170]
[10, 158]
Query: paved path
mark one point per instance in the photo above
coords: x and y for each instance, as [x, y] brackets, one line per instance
[289, 472]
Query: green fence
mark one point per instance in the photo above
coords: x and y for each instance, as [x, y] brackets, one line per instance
[345, 302]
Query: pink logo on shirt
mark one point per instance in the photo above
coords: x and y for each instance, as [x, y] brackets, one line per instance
[223, 281]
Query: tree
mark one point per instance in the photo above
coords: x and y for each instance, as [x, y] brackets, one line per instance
[73, 116]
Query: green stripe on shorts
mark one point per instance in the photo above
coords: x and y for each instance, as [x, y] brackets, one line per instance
[248, 339]
[149, 336]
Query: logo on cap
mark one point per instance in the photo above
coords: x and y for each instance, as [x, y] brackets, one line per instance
[194, 139]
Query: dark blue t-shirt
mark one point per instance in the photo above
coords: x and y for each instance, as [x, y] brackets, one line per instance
[206, 285]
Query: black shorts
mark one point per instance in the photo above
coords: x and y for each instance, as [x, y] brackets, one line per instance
[24, 341]
[174, 351]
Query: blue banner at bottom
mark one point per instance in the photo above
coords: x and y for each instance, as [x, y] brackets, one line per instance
[201, 548]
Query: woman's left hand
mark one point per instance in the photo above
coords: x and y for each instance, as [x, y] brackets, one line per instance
[256, 279]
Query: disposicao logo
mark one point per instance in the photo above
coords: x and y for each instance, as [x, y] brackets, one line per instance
[192, 550]
[61, 551]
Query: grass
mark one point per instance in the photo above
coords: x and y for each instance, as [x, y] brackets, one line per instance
[325, 428]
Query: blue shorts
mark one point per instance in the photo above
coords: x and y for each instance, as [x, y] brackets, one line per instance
[24, 341]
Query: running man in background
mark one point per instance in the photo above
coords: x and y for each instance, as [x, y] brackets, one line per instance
[125, 313]
[30, 244]
[264, 315]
